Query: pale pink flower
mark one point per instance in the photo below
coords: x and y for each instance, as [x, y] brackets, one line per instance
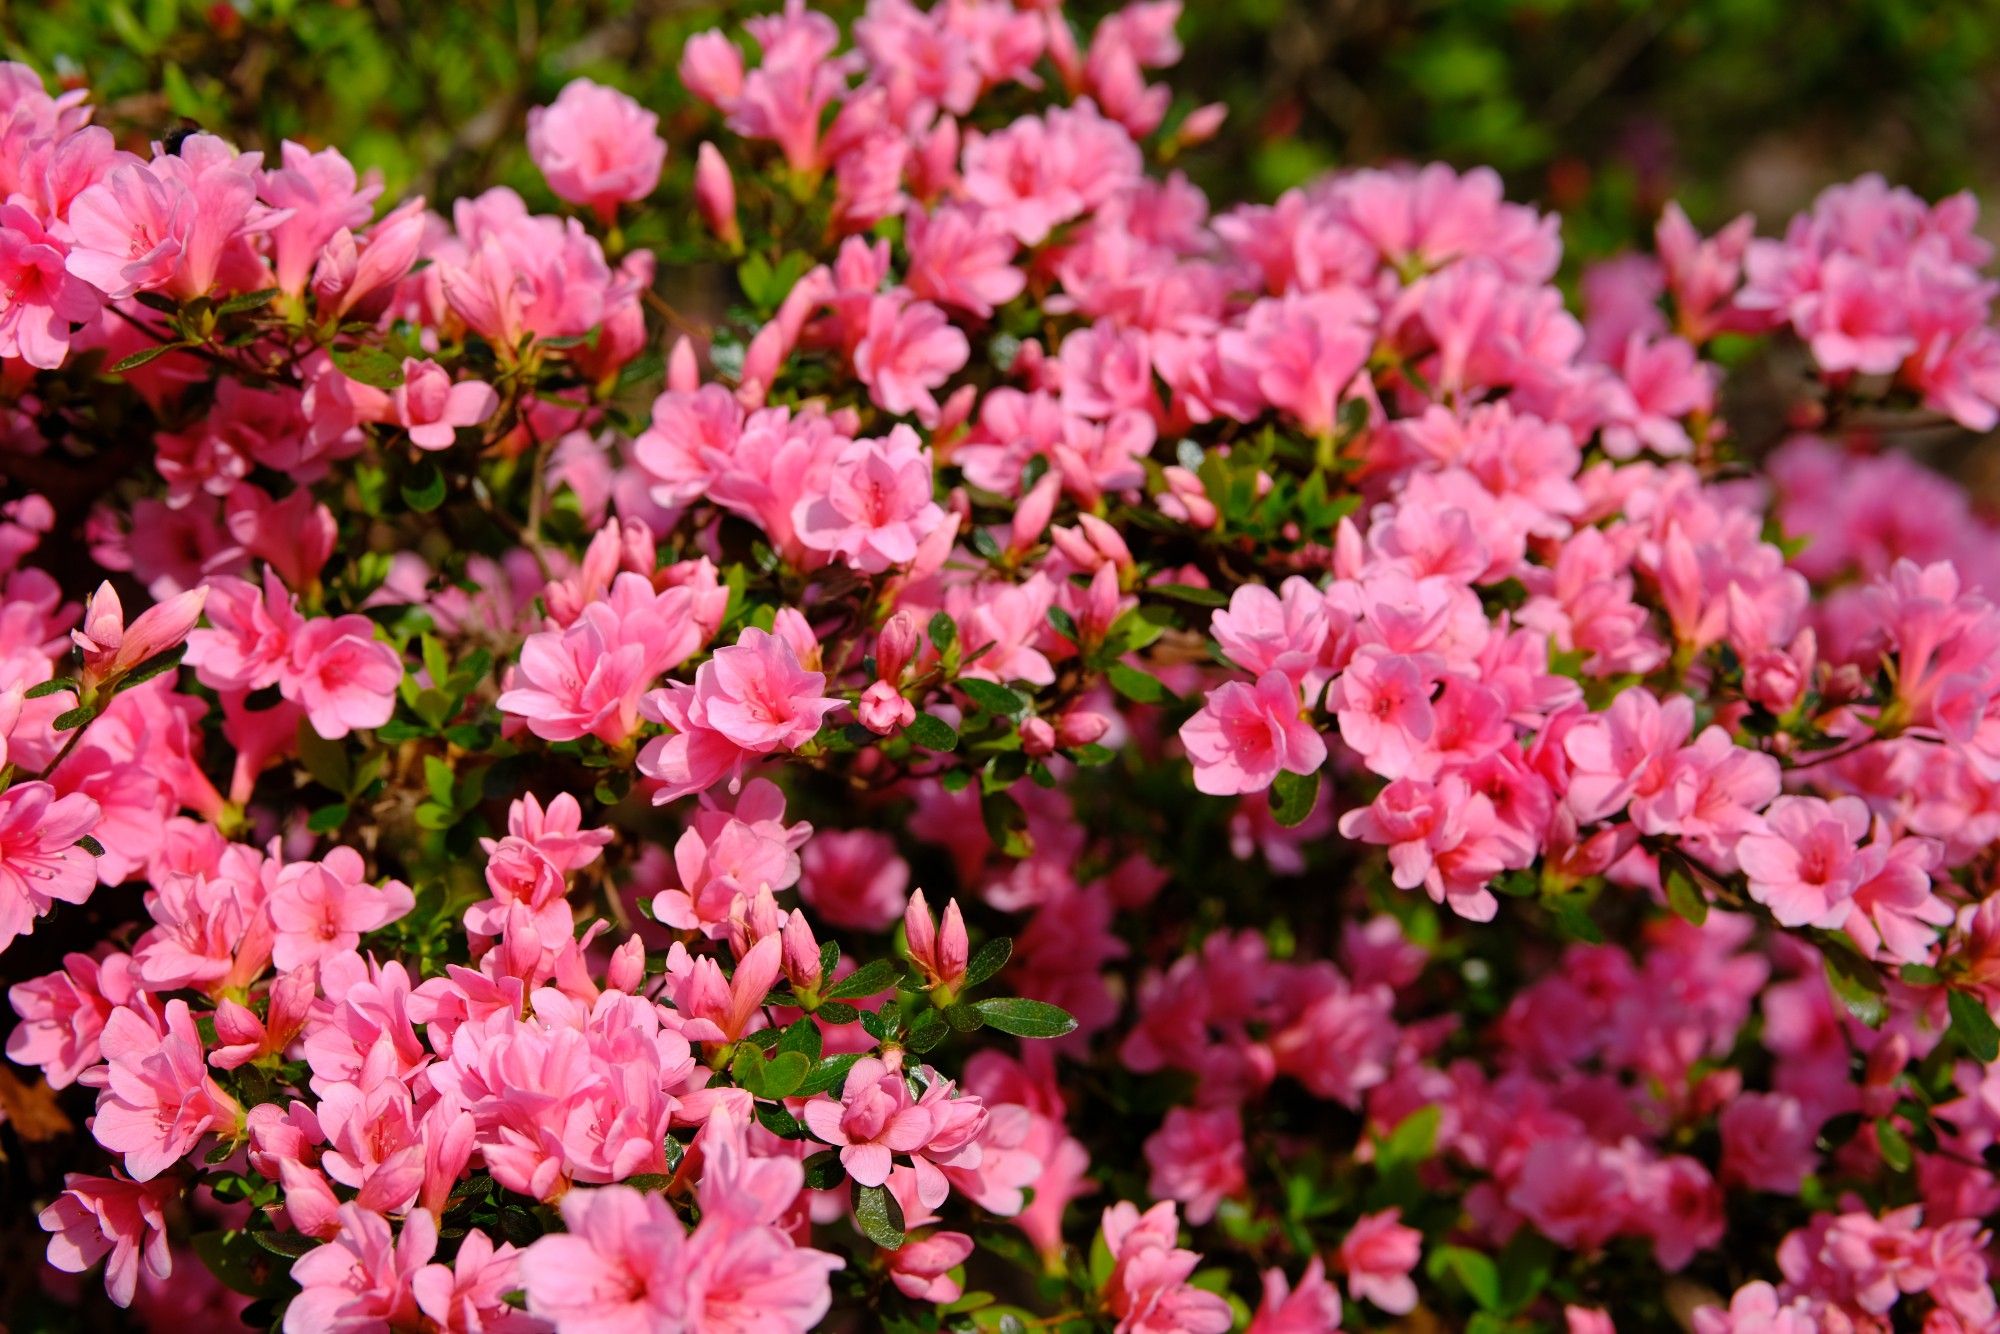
[342, 676]
[363, 1279]
[1808, 865]
[1377, 1254]
[751, 699]
[874, 1119]
[431, 408]
[906, 351]
[43, 300]
[158, 1100]
[876, 508]
[597, 147]
[1624, 755]
[1197, 1159]
[1148, 1290]
[1244, 736]
[1311, 1307]
[960, 257]
[1383, 704]
[41, 863]
[325, 907]
[99, 1216]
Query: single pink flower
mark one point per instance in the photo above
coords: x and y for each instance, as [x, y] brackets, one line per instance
[159, 1099]
[597, 147]
[99, 1216]
[325, 907]
[876, 509]
[430, 407]
[874, 1119]
[111, 648]
[1378, 1254]
[1808, 865]
[40, 862]
[1244, 736]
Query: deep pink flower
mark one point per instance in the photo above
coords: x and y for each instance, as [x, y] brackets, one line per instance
[906, 351]
[43, 299]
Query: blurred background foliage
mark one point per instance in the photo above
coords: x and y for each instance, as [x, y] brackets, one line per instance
[1600, 108]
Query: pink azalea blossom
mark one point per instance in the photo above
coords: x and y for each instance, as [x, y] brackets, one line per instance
[597, 147]
[1245, 736]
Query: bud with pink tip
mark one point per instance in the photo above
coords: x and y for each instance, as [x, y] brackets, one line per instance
[801, 957]
[939, 954]
[1038, 737]
[1031, 517]
[1080, 727]
[895, 646]
[627, 970]
[715, 196]
[683, 371]
[111, 648]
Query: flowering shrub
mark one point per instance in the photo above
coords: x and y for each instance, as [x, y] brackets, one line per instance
[1082, 764]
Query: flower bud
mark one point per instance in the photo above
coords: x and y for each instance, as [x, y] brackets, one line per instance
[801, 958]
[940, 955]
[715, 196]
[1037, 737]
[895, 646]
[1080, 727]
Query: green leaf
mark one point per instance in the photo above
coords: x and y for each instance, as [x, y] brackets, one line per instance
[987, 960]
[1293, 797]
[649, 1181]
[327, 818]
[995, 699]
[291, 1245]
[944, 632]
[1065, 625]
[91, 846]
[325, 760]
[1006, 825]
[931, 732]
[926, 1031]
[1972, 1023]
[241, 1264]
[1190, 593]
[1895, 1147]
[144, 355]
[1476, 1273]
[47, 688]
[236, 305]
[879, 1216]
[1855, 981]
[75, 718]
[870, 979]
[823, 1169]
[375, 366]
[1025, 1018]
[1138, 686]
[1684, 896]
[1412, 1141]
[424, 491]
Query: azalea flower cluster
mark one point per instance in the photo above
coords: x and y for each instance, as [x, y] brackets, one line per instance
[1078, 758]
